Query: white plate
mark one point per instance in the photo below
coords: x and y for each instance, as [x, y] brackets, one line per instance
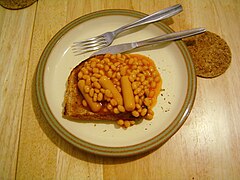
[105, 138]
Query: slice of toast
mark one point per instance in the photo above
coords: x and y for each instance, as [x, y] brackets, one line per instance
[73, 108]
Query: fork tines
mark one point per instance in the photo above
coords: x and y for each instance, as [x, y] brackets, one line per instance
[90, 44]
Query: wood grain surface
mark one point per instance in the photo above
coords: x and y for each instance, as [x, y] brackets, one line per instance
[206, 147]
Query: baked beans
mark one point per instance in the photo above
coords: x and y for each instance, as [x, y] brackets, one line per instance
[119, 83]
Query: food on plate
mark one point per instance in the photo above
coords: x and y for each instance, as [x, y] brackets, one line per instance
[210, 53]
[119, 87]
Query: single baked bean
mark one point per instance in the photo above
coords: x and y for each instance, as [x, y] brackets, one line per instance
[107, 55]
[136, 91]
[95, 59]
[150, 111]
[147, 101]
[80, 75]
[127, 123]
[123, 70]
[141, 93]
[113, 56]
[113, 102]
[145, 62]
[118, 83]
[128, 56]
[114, 74]
[130, 61]
[88, 82]
[139, 110]
[120, 122]
[117, 64]
[95, 96]
[132, 77]
[101, 72]
[91, 92]
[96, 90]
[136, 99]
[142, 79]
[144, 111]
[132, 122]
[85, 76]
[118, 75]
[102, 90]
[106, 67]
[93, 64]
[135, 61]
[119, 56]
[100, 96]
[116, 111]
[135, 113]
[109, 73]
[138, 106]
[141, 87]
[93, 79]
[89, 69]
[96, 85]
[146, 91]
[113, 67]
[123, 57]
[134, 85]
[109, 107]
[128, 72]
[100, 66]
[149, 116]
[84, 70]
[140, 68]
[121, 108]
[119, 89]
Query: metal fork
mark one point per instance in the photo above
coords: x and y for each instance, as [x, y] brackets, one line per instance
[107, 38]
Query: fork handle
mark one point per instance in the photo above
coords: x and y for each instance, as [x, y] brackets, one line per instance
[170, 37]
[157, 16]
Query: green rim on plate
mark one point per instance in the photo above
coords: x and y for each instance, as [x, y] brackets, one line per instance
[145, 146]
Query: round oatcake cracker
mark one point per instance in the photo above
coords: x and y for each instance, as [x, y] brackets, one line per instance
[16, 4]
[210, 53]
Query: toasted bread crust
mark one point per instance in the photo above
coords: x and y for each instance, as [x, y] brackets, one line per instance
[73, 108]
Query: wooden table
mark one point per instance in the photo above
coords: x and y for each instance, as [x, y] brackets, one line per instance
[206, 147]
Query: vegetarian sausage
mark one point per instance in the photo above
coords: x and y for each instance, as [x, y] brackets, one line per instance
[128, 97]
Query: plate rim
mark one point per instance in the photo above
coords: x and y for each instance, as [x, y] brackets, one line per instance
[135, 149]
